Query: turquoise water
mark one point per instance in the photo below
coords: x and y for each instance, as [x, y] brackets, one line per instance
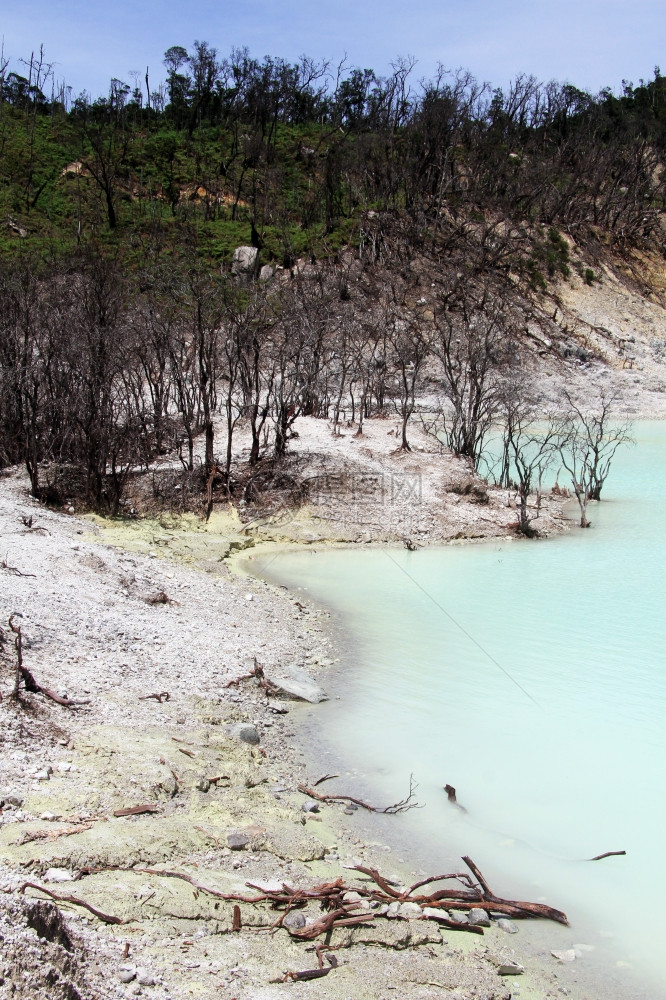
[532, 677]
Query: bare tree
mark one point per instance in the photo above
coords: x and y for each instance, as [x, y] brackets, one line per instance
[588, 443]
[530, 440]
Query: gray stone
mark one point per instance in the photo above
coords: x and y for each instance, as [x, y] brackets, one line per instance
[296, 683]
[243, 731]
[42, 775]
[237, 841]
[478, 917]
[277, 706]
[310, 807]
[244, 261]
[294, 921]
[203, 784]
[458, 917]
[144, 978]
[507, 925]
[266, 273]
[127, 974]
[11, 799]
[410, 911]
[393, 911]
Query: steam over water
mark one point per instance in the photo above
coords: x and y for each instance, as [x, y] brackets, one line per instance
[532, 677]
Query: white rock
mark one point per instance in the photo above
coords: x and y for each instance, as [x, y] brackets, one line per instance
[58, 875]
[144, 978]
[568, 955]
[410, 911]
[48, 817]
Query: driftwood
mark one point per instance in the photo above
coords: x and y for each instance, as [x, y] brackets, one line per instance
[402, 806]
[340, 913]
[257, 674]
[608, 854]
[160, 696]
[75, 901]
[34, 687]
[148, 807]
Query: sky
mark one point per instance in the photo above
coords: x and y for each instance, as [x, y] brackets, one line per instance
[590, 43]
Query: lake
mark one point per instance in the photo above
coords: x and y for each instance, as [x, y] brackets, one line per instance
[532, 677]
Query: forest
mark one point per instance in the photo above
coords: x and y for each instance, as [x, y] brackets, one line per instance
[251, 241]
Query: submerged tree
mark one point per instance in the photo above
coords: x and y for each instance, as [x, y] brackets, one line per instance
[588, 443]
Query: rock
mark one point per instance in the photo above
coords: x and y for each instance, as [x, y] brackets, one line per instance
[294, 921]
[42, 775]
[510, 969]
[144, 978]
[243, 731]
[237, 841]
[410, 911]
[48, 817]
[348, 812]
[310, 807]
[478, 917]
[296, 683]
[244, 261]
[568, 955]
[58, 875]
[393, 911]
[11, 799]
[203, 784]
[355, 897]
[507, 925]
[277, 707]
[266, 273]
[64, 766]
[127, 974]
[458, 917]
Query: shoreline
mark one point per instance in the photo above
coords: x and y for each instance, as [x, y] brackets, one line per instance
[119, 613]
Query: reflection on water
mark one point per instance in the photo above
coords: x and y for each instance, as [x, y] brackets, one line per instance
[530, 676]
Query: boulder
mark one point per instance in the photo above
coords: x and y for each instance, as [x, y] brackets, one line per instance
[244, 261]
[294, 682]
[266, 273]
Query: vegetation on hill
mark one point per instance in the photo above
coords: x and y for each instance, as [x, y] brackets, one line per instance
[405, 232]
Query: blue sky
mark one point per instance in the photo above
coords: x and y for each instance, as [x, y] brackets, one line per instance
[591, 43]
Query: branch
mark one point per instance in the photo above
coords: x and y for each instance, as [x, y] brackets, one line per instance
[105, 917]
[398, 807]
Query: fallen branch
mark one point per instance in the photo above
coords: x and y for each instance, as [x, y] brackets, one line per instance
[14, 569]
[398, 807]
[608, 854]
[34, 687]
[137, 810]
[257, 673]
[162, 696]
[75, 901]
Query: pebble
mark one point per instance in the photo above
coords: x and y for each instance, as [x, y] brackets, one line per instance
[458, 917]
[203, 784]
[127, 974]
[42, 775]
[310, 807]
[48, 817]
[507, 925]
[410, 911]
[144, 978]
